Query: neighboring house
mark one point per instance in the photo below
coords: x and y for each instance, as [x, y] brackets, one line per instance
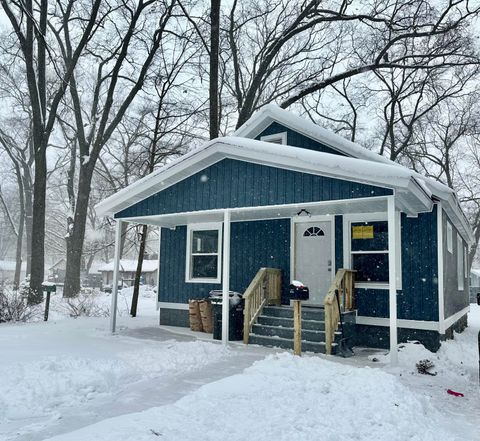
[286, 194]
[56, 272]
[127, 270]
[7, 271]
[474, 284]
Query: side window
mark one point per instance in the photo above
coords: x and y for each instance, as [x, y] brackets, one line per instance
[449, 237]
[460, 263]
[203, 254]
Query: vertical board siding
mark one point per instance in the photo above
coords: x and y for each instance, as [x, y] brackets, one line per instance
[454, 299]
[419, 297]
[253, 245]
[232, 183]
[296, 139]
[338, 243]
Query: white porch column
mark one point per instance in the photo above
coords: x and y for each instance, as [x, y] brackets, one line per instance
[226, 276]
[116, 264]
[392, 278]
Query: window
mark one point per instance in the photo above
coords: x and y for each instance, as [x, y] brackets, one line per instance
[460, 263]
[203, 253]
[369, 251]
[449, 237]
[465, 262]
[313, 231]
[277, 138]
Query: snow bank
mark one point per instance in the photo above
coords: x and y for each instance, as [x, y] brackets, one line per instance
[41, 388]
[285, 398]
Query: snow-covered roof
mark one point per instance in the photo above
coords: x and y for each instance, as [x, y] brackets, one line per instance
[130, 266]
[415, 192]
[475, 271]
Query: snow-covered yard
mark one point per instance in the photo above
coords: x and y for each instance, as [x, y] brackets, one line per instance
[70, 380]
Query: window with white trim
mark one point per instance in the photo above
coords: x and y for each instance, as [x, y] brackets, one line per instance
[449, 237]
[276, 138]
[369, 251]
[465, 262]
[460, 263]
[204, 253]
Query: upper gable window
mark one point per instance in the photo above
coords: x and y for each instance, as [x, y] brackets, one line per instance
[276, 138]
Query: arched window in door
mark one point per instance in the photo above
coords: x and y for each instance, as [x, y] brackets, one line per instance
[313, 232]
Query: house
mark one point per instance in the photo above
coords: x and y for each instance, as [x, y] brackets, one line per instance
[474, 284]
[57, 271]
[127, 270]
[285, 194]
[7, 270]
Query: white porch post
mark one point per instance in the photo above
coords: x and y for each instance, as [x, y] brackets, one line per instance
[226, 276]
[392, 278]
[116, 264]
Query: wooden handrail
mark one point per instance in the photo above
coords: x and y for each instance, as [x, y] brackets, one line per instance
[344, 283]
[265, 288]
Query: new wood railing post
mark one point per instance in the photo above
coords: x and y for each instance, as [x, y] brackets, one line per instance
[297, 327]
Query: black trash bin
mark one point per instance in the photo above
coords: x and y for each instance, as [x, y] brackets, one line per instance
[235, 322]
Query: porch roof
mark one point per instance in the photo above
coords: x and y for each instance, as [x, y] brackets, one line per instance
[324, 208]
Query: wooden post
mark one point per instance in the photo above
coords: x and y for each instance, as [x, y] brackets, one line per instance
[297, 327]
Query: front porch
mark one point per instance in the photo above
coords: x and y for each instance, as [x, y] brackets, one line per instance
[231, 245]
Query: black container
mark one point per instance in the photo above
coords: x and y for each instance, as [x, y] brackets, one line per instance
[299, 292]
[235, 322]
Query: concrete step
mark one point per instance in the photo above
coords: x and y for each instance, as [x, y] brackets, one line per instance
[278, 331]
[285, 343]
[314, 325]
[308, 313]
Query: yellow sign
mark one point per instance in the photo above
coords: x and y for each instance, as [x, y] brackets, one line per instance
[362, 232]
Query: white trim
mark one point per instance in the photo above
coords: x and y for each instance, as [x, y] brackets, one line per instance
[173, 305]
[116, 264]
[203, 227]
[440, 275]
[166, 219]
[313, 219]
[449, 237]
[226, 278]
[460, 263]
[158, 273]
[282, 136]
[392, 278]
[453, 318]
[401, 323]
[347, 253]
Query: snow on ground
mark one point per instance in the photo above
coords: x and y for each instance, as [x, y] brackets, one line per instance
[70, 380]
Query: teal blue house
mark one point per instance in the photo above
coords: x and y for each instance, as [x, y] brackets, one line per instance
[285, 194]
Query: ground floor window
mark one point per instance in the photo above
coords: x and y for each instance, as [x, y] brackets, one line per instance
[369, 251]
[203, 253]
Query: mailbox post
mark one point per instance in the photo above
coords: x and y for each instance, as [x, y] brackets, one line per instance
[298, 292]
[48, 288]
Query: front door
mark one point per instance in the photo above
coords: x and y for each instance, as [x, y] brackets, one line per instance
[313, 258]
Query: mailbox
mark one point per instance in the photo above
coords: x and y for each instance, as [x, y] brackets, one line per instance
[298, 292]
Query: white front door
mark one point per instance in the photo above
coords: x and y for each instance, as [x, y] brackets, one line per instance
[313, 258]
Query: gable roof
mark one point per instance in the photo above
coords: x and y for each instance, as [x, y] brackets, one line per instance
[416, 193]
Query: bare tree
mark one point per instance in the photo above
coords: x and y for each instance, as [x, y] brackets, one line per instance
[30, 25]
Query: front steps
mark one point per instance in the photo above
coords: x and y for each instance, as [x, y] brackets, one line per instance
[274, 328]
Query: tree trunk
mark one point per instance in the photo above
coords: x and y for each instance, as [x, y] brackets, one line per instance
[138, 273]
[21, 224]
[76, 236]
[37, 274]
[213, 89]
[28, 222]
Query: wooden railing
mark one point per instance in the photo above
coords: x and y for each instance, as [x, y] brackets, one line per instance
[344, 283]
[264, 289]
